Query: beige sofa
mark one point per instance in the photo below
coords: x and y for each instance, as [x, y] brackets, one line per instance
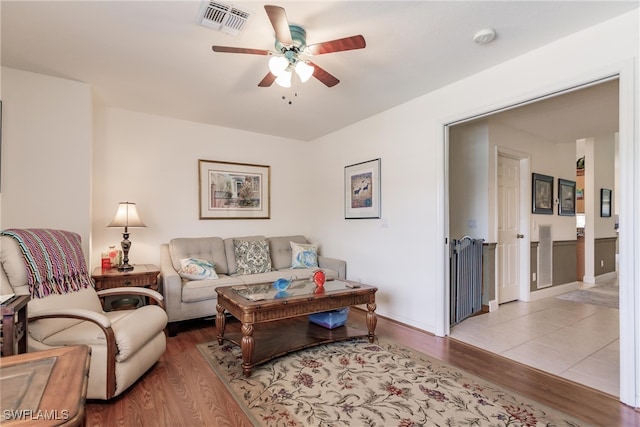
[191, 299]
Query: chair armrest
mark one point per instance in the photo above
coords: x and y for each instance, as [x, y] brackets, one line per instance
[333, 264]
[133, 290]
[104, 323]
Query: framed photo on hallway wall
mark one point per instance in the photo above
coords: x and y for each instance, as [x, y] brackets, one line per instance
[605, 202]
[542, 191]
[567, 196]
[362, 190]
[233, 190]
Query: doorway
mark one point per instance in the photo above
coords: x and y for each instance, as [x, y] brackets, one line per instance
[510, 229]
[532, 135]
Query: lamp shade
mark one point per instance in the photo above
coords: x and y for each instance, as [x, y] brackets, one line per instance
[277, 64]
[304, 71]
[284, 79]
[126, 216]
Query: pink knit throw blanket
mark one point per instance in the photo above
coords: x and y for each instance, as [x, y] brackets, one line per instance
[54, 260]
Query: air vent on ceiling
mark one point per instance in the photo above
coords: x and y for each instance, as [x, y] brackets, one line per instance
[224, 17]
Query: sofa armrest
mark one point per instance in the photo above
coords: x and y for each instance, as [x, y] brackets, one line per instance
[333, 264]
[171, 282]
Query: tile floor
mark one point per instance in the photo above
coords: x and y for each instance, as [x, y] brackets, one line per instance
[576, 341]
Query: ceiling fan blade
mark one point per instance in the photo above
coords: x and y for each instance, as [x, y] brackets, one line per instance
[268, 80]
[328, 79]
[339, 45]
[226, 49]
[278, 18]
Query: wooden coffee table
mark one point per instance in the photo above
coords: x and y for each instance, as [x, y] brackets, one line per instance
[275, 324]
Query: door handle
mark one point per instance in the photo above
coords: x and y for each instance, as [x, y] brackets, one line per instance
[520, 236]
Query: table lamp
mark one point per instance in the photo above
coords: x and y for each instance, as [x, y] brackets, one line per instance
[126, 216]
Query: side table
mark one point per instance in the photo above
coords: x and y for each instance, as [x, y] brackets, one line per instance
[45, 388]
[14, 325]
[142, 275]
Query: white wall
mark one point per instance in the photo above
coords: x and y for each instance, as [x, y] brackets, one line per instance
[407, 259]
[46, 153]
[153, 161]
[469, 181]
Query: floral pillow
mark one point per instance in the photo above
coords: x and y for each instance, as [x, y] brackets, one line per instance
[304, 255]
[197, 269]
[252, 257]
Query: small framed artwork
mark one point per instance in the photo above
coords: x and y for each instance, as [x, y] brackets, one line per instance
[362, 190]
[567, 195]
[233, 190]
[542, 192]
[605, 202]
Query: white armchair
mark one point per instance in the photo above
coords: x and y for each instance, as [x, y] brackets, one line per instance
[124, 344]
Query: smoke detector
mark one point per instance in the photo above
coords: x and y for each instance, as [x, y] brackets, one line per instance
[484, 36]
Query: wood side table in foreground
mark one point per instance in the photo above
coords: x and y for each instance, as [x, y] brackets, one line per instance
[45, 388]
[14, 325]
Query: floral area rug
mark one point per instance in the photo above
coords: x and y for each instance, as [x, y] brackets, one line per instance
[355, 383]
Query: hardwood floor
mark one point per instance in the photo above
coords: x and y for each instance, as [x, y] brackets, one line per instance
[182, 390]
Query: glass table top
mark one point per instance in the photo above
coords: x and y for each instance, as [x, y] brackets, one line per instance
[305, 287]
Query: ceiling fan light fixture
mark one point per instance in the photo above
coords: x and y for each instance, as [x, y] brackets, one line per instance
[278, 64]
[284, 79]
[304, 71]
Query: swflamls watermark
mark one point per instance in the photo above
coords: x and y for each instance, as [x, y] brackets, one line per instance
[35, 414]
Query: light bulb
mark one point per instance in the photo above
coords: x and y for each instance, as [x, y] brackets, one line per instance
[277, 64]
[284, 79]
[304, 71]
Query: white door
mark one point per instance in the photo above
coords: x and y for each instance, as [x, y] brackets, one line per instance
[508, 248]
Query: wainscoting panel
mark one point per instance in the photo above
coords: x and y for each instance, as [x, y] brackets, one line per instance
[565, 261]
[605, 255]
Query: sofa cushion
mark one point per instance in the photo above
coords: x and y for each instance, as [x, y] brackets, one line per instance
[202, 290]
[197, 269]
[280, 248]
[303, 255]
[206, 248]
[252, 257]
[231, 252]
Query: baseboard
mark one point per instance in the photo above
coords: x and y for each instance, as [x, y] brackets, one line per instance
[553, 291]
[493, 305]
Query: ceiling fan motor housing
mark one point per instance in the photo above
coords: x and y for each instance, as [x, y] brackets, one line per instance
[299, 38]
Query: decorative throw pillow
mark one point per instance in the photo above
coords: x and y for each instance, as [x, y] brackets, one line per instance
[303, 255]
[197, 269]
[252, 257]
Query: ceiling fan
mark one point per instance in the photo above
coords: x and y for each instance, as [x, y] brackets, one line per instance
[291, 46]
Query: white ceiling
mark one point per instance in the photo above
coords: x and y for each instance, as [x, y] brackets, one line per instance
[154, 57]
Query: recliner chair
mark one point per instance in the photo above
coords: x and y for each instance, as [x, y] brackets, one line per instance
[124, 344]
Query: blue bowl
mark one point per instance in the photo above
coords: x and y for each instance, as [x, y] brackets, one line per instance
[282, 284]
